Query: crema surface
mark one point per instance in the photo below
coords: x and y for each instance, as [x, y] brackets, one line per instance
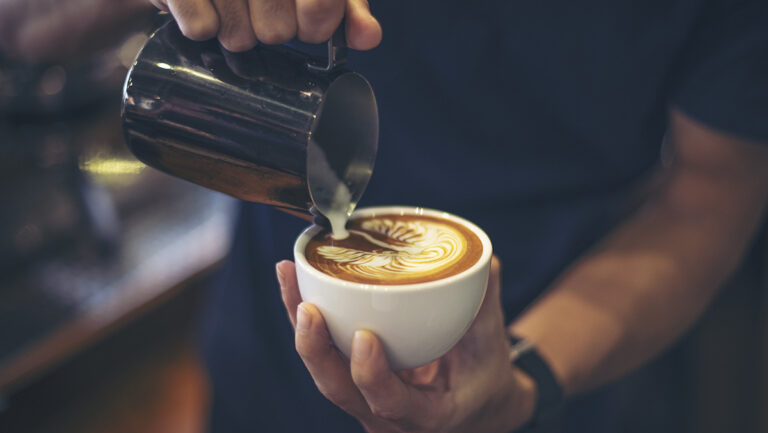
[396, 249]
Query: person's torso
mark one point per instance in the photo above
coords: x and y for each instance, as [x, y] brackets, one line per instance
[535, 120]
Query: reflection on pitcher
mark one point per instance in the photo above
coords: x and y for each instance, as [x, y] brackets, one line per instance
[266, 125]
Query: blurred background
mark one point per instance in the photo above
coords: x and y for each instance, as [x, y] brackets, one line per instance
[104, 262]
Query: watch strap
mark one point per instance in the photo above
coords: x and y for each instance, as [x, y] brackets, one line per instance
[549, 393]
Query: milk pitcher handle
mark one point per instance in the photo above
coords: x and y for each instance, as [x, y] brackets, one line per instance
[337, 52]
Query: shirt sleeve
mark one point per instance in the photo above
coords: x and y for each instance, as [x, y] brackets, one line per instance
[723, 73]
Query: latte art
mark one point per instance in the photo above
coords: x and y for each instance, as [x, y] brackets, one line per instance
[395, 249]
[414, 247]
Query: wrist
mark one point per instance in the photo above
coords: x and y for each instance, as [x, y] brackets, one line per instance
[548, 394]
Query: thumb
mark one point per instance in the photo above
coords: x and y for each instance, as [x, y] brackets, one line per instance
[363, 30]
[492, 301]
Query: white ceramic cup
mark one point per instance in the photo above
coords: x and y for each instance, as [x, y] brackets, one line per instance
[416, 323]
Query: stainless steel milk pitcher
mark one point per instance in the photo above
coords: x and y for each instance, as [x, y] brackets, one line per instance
[267, 125]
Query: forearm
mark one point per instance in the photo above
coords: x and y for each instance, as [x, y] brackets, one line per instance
[647, 282]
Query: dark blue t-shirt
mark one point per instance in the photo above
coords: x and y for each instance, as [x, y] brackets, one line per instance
[536, 120]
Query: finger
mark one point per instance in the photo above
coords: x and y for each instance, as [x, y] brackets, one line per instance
[387, 396]
[289, 288]
[327, 367]
[318, 19]
[489, 322]
[235, 31]
[273, 21]
[362, 29]
[492, 300]
[197, 19]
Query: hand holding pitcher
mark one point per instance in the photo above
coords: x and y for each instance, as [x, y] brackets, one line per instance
[241, 24]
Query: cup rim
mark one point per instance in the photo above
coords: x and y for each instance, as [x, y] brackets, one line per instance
[307, 234]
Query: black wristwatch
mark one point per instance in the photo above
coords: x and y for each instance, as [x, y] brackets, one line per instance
[549, 393]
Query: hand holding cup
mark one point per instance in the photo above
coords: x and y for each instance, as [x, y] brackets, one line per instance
[472, 387]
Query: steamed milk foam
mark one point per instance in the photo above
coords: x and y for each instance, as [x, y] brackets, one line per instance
[396, 249]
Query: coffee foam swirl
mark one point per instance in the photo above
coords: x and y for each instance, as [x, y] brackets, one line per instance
[395, 250]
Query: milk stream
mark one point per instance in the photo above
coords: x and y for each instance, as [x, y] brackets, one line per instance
[331, 196]
[339, 211]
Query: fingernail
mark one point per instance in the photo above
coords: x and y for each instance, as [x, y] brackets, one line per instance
[303, 319]
[362, 346]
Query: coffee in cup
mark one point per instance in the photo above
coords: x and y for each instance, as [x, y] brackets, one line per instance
[396, 249]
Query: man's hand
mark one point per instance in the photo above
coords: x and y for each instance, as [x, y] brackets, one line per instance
[471, 388]
[240, 24]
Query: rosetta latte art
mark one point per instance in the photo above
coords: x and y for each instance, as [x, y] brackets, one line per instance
[409, 249]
